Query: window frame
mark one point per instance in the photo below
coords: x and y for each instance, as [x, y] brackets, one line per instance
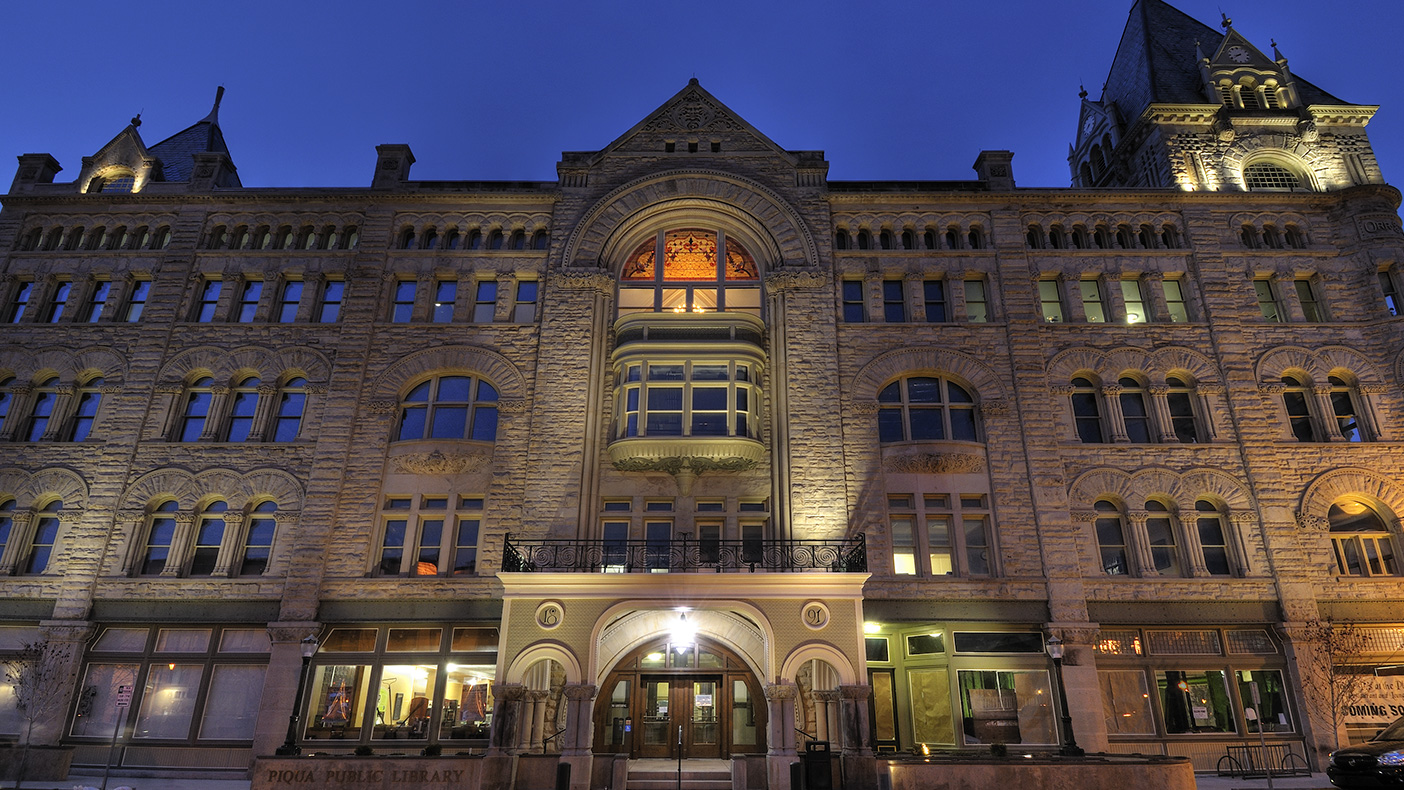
[432, 532]
[924, 509]
[432, 405]
[948, 407]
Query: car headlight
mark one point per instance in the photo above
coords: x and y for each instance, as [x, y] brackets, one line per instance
[1392, 758]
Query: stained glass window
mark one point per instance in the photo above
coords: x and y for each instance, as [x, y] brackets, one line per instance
[689, 255]
[704, 271]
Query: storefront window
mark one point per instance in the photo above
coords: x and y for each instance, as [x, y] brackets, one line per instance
[240, 689]
[1126, 702]
[931, 706]
[403, 701]
[168, 702]
[1195, 701]
[467, 702]
[338, 701]
[97, 709]
[1272, 711]
[1006, 707]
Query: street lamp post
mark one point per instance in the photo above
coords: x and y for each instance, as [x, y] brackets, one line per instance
[290, 747]
[1069, 747]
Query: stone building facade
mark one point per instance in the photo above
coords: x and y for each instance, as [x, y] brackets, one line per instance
[696, 449]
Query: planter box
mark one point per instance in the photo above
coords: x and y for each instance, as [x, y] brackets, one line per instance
[44, 763]
[366, 773]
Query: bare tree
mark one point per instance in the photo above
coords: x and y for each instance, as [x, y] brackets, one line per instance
[37, 675]
[1333, 678]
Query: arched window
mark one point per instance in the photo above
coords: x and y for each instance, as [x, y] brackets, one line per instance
[41, 545]
[353, 238]
[1213, 538]
[885, 239]
[243, 405]
[218, 238]
[7, 398]
[1160, 534]
[1124, 238]
[1343, 404]
[908, 240]
[841, 239]
[119, 181]
[45, 396]
[1296, 238]
[408, 240]
[540, 240]
[924, 408]
[517, 240]
[1271, 237]
[429, 240]
[162, 239]
[1170, 237]
[953, 238]
[1057, 237]
[1086, 413]
[450, 407]
[494, 241]
[89, 397]
[703, 271]
[1273, 177]
[452, 239]
[475, 239]
[263, 238]
[291, 400]
[242, 237]
[1102, 238]
[1294, 400]
[7, 523]
[258, 539]
[209, 536]
[929, 239]
[160, 533]
[865, 239]
[976, 237]
[1034, 238]
[1111, 538]
[1180, 399]
[1361, 540]
[1134, 414]
[197, 408]
[1147, 237]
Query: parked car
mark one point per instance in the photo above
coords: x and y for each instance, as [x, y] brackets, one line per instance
[1379, 763]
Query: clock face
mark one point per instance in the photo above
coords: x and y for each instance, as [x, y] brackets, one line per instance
[1238, 54]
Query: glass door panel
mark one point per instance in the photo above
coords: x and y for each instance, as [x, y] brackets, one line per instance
[656, 720]
[705, 737]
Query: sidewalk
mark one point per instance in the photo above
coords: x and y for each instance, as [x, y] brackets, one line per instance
[139, 783]
[1215, 782]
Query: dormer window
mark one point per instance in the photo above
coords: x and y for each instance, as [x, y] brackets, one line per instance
[116, 181]
[703, 271]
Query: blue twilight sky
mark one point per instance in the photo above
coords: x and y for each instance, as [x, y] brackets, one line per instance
[895, 90]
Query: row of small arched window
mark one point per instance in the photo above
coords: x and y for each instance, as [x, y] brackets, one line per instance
[474, 239]
[1272, 238]
[1102, 237]
[1161, 547]
[952, 238]
[100, 237]
[40, 419]
[285, 237]
[239, 418]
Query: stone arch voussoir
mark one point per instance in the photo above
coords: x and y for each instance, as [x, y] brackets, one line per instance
[926, 359]
[447, 359]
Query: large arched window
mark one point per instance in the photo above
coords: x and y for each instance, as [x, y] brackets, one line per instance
[41, 545]
[1274, 177]
[7, 523]
[1135, 415]
[243, 405]
[1111, 538]
[209, 536]
[291, 400]
[702, 271]
[1294, 400]
[1086, 413]
[925, 408]
[450, 407]
[1160, 535]
[1213, 538]
[198, 397]
[1361, 540]
[160, 533]
[85, 411]
[45, 396]
[258, 539]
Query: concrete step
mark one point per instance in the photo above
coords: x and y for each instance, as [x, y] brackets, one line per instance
[672, 784]
[686, 775]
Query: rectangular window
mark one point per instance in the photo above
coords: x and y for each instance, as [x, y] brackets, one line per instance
[525, 310]
[248, 301]
[485, 302]
[20, 302]
[934, 293]
[402, 304]
[1050, 302]
[329, 310]
[62, 290]
[1092, 304]
[1267, 301]
[1126, 702]
[445, 295]
[1195, 702]
[853, 307]
[289, 300]
[136, 301]
[97, 300]
[209, 301]
[894, 302]
[1006, 707]
[938, 539]
[1311, 309]
[1135, 304]
[1175, 300]
[437, 537]
[1391, 294]
[977, 309]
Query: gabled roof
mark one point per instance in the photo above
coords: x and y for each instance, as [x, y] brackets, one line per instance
[692, 112]
[1156, 61]
[204, 136]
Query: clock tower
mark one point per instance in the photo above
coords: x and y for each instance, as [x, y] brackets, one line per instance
[1172, 116]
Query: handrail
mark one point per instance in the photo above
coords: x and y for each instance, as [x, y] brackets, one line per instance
[684, 555]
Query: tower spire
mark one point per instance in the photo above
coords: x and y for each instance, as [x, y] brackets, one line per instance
[213, 117]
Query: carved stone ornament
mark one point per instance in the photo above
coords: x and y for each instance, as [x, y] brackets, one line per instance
[110, 389]
[1061, 389]
[1308, 521]
[673, 465]
[1243, 518]
[578, 279]
[580, 691]
[794, 280]
[865, 407]
[996, 407]
[384, 406]
[1272, 388]
[692, 113]
[512, 406]
[438, 463]
[169, 388]
[1373, 389]
[1211, 389]
[1083, 516]
[781, 691]
[283, 633]
[814, 615]
[857, 692]
[317, 389]
[936, 463]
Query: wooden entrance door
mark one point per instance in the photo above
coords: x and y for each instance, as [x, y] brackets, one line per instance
[681, 713]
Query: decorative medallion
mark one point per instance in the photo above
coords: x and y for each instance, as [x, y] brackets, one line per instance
[438, 463]
[550, 615]
[815, 615]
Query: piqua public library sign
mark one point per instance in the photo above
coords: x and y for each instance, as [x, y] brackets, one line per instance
[345, 772]
[1380, 701]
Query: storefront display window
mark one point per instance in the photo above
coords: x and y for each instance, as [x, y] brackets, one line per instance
[338, 701]
[1195, 701]
[97, 709]
[168, 703]
[240, 687]
[1006, 706]
[931, 706]
[1273, 697]
[1126, 702]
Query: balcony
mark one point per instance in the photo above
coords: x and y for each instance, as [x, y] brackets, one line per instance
[685, 556]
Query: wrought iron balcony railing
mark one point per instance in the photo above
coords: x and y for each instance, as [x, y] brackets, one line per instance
[685, 556]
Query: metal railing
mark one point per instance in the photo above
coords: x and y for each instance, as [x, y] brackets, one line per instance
[684, 556]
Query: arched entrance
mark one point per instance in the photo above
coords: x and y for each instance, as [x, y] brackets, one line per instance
[699, 698]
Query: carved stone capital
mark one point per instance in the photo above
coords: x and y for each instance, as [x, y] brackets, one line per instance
[219, 389]
[784, 280]
[66, 631]
[1112, 390]
[21, 389]
[830, 695]
[859, 691]
[1075, 634]
[1243, 518]
[538, 695]
[1313, 522]
[508, 692]
[1159, 390]
[183, 518]
[580, 279]
[284, 633]
[233, 520]
[506, 278]
[64, 389]
[781, 691]
[1373, 389]
[1272, 388]
[384, 406]
[1084, 516]
[1210, 389]
[1062, 389]
[936, 463]
[1322, 389]
[69, 516]
[1138, 516]
[512, 405]
[110, 389]
[267, 389]
[170, 388]
[580, 691]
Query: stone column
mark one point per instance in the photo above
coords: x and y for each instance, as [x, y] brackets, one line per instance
[859, 763]
[230, 545]
[1327, 414]
[1140, 543]
[1160, 414]
[219, 403]
[13, 553]
[579, 734]
[180, 544]
[59, 414]
[780, 704]
[280, 682]
[1116, 422]
[507, 714]
[534, 736]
